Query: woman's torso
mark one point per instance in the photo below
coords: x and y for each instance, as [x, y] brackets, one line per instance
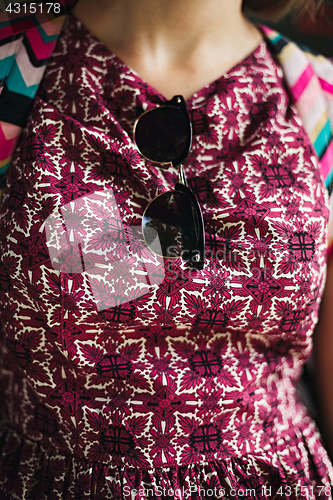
[118, 357]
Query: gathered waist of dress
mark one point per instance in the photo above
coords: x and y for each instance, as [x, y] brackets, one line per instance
[158, 427]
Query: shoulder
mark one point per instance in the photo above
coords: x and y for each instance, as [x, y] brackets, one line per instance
[309, 79]
[286, 49]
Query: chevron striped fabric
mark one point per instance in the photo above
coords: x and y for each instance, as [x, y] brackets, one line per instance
[27, 42]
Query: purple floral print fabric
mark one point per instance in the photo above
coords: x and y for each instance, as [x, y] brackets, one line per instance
[128, 376]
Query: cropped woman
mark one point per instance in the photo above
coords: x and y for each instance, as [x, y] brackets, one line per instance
[130, 371]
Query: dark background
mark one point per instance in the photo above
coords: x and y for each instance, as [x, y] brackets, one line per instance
[315, 33]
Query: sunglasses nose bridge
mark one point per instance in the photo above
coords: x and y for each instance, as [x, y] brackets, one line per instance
[182, 177]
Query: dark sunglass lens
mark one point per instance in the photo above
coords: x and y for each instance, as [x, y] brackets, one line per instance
[162, 134]
[170, 225]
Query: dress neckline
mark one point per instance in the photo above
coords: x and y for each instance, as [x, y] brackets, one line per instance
[152, 90]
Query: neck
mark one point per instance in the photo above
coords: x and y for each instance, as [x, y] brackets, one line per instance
[164, 38]
[178, 20]
[172, 26]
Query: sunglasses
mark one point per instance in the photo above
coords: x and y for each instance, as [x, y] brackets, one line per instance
[172, 223]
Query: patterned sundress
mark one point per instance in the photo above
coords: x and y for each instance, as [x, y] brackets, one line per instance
[128, 376]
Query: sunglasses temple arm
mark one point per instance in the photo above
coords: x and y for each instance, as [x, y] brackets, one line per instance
[182, 177]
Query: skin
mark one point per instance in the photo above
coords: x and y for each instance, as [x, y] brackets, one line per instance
[178, 47]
